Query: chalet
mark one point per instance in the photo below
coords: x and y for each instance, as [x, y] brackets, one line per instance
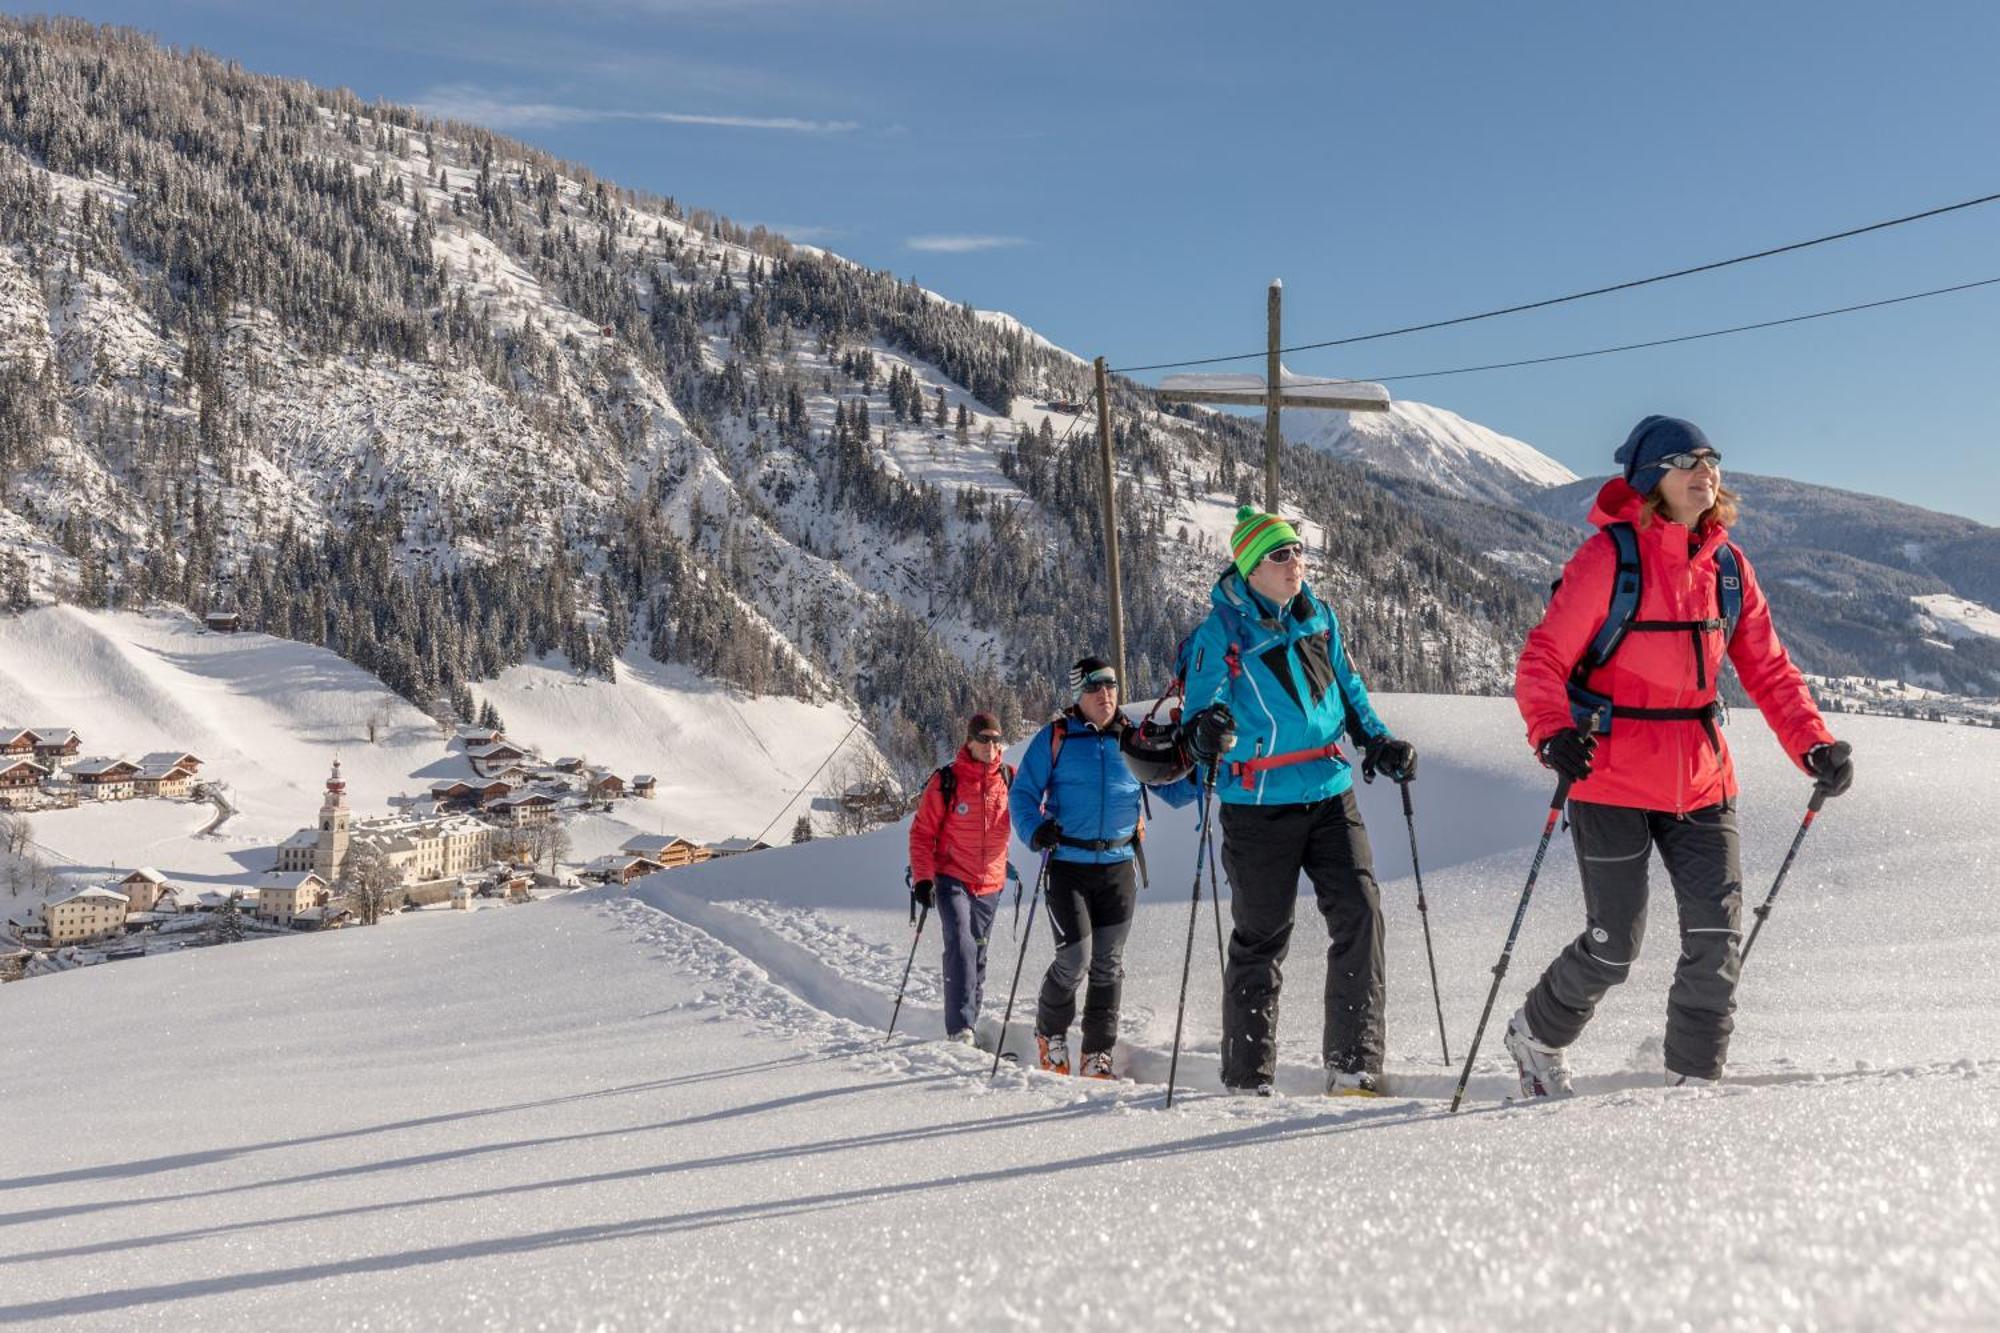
[606, 786]
[283, 895]
[17, 742]
[644, 785]
[471, 736]
[620, 868]
[172, 781]
[143, 889]
[84, 916]
[737, 846]
[104, 779]
[523, 808]
[487, 758]
[170, 759]
[568, 763]
[665, 848]
[324, 917]
[223, 622]
[468, 794]
[56, 746]
[20, 780]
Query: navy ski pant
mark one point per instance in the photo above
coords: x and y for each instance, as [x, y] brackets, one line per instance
[1264, 850]
[965, 919]
[1614, 845]
[1090, 909]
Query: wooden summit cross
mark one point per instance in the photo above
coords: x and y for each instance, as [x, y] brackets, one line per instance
[1277, 389]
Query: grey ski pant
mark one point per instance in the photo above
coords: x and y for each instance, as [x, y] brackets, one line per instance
[1614, 845]
[1090, 910]
[1264, 850]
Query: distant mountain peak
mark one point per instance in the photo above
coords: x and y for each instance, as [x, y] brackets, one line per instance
[1434, 446]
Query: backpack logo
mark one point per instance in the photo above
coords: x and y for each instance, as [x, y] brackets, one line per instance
[964, 809]
[1731, 582]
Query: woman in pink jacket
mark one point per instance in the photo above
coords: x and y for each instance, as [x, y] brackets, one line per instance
[1618, 687]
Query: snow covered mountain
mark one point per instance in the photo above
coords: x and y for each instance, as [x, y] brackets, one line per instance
[432, 399]
[1432, 445]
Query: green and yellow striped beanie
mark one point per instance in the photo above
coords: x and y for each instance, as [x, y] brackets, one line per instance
[1257, 535]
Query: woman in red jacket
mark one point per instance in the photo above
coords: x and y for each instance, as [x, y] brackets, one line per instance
[958, 863]
[1619, 694]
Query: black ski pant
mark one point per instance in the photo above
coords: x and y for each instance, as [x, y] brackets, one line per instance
[1614, 845]
[1264, 850]
[1090, 910]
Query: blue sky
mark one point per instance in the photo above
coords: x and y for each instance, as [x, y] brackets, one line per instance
[1127, 178]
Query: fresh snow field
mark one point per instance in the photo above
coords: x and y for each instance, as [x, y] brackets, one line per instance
[674, 1107]
[267, 717]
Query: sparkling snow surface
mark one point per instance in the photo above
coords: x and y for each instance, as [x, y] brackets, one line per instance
[675, 1108]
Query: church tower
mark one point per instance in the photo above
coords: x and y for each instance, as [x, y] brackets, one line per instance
[331, 850]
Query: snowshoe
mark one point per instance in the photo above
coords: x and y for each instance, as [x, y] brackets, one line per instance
[1250, 1090]
[1052, 1053]
[1690, 1081]
[1544, 1069]
[962, 1037]
[1097, 1064]
[1360, 1083]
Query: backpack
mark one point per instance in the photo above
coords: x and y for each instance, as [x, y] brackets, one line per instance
[1590, 708]
[947, 782]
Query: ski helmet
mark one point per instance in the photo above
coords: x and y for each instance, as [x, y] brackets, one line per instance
[1153, 752]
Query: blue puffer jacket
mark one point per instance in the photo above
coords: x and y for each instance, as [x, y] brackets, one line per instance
[1286, 677]
[1088, 790]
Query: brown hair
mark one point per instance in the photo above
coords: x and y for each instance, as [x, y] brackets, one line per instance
[1721, 514]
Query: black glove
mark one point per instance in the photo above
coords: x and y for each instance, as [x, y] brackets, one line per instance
[1393, 759]
[1211, 733]
[1047, 836]
[1830, 766]
[1568, 753]
[922, 894]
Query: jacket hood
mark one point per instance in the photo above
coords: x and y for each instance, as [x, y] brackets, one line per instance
[1618, 502]
[1233, 592]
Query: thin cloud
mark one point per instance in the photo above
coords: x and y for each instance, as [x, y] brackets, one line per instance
[962, 245]
[475, 106]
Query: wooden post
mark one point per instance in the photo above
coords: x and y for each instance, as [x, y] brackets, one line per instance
[1111, 525]
[1273, 376]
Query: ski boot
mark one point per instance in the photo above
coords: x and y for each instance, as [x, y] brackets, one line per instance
[1097, 1064]
[1052, 1053]
[962, 1037]
[1360, 1083]
[1544, 1069]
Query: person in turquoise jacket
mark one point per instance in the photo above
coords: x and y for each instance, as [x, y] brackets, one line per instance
[1269, 694]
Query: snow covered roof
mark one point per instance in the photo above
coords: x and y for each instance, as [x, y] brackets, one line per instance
[92, 894]
[729, 845]
[612, 861]
[100, 766]
[290, 879]
[642, 779]
[1226, 386]
[10, 765]
[645, 844]
[147, 874]
[53, 736]
[9, 735]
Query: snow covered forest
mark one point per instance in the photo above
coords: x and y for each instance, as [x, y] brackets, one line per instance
[430, 398]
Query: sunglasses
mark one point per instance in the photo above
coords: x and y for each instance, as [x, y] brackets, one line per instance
[1102, 682]
[989, 737]
[1284, 555]
[1689, 462]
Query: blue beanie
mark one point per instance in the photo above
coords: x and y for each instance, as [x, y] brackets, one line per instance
[1651, 440]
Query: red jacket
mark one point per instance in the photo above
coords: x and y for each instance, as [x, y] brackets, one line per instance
[968, 842]
[1647, 764]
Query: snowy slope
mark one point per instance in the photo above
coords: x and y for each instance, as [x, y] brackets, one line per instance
[674, 1108]
[1432, 445]
[1951, 617]
[268, 716]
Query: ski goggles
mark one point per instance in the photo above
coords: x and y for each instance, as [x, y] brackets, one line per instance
[1690, 461]
[1098, 680]
[1284, 555]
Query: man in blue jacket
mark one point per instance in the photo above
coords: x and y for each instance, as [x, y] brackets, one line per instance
[1075, 798]
[1269, 691]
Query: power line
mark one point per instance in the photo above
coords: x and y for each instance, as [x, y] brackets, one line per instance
[1655, 342]
[1573, 296]
[859, 716]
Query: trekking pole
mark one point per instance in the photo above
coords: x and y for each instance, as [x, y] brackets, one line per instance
[1764, 909]
[1007, 1016]
[1513, 931]
[1015, 875]
[1194, 916]
[895, 1013]
[1424, 913]
[1215, 901]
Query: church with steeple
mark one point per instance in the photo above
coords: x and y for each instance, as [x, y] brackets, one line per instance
[421, 851]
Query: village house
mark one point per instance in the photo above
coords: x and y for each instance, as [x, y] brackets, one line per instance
[644, 785]
[173, 781]
[737, 846]
[523, 809]
[666, 849]
[17, 743]
[171, 759]
[83, 917]
[223, 622]
[104, 779]
[282, 896]
[143, 889]
[487, 759]
[464, 795]
[56, 746]
[620, 868]
[606, 786]
[471, 736]
[20, 781]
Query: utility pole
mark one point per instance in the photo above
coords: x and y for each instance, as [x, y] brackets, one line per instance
[1274, 320]
[1277, 389]
[1111, 523]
